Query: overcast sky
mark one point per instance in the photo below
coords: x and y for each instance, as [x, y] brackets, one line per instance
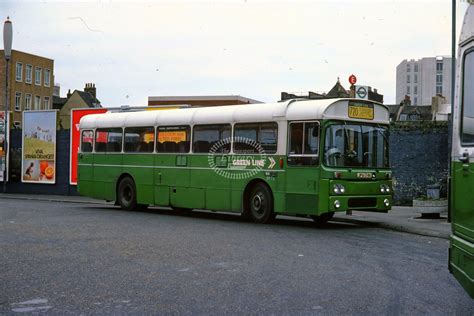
[135, 49]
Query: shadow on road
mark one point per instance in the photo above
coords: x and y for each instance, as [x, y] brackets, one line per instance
[235, 217]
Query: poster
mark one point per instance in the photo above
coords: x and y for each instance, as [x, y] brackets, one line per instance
[38, 164]
[3, 154]
[76, 115]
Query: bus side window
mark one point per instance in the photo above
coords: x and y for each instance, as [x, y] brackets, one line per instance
[296, 138]
[86, 141]
[246, 135]
[139, 139]
[206, 136]
[467, 132]
[108, 140]
[173, 139]
[303, 149]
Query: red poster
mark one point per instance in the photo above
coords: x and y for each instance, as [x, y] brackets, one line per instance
[76, 115]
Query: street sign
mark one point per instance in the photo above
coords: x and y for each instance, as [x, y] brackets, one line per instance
[352, 79]
[362, 92]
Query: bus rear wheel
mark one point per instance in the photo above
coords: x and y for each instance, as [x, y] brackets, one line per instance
[323, 218]
[127, 194]
[260, 204]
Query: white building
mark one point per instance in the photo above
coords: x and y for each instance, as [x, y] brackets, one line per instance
[423, 79]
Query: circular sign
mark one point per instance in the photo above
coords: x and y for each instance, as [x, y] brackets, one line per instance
[361, 92]
[352, 79]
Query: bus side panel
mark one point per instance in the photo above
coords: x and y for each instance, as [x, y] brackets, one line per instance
[85, 174]
[302, 190]
[174, 179]
[107, 169]
[140, 167]
[216, 186]
[323, 205]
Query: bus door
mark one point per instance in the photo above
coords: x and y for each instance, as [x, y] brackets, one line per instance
[462, 168]
[302, 172]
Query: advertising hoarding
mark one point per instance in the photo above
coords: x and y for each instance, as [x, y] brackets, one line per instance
[76, 115]
[38, 163]
[3, 153]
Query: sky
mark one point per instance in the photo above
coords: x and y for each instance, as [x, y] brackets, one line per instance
[135, 49]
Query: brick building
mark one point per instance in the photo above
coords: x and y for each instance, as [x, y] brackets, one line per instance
[31, 81]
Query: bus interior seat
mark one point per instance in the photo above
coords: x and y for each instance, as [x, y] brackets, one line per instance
[201, 146]
[86, 147]
[100, 147]
[113, 147]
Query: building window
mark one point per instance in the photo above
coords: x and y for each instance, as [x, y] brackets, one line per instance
[408, 78]
[415, 101]
[439, 66]
[415, 78]
[38, 76]
[46, 103]
[18, 101]
[17, 124]
[37, 102]
[415, 90]
[439, 90]
[47, 77]
[416, 67]
[408, 89]
[408, 67]
[28, 101]
[29, 73]
[439, 78]
[19, 72]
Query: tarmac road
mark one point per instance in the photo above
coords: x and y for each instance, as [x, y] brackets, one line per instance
[69, 258]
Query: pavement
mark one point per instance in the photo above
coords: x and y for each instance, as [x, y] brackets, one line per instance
[400, 218]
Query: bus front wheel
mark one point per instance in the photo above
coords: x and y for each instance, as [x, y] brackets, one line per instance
[127, 194]
[260, 204]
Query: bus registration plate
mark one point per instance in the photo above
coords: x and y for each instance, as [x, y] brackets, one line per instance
[361, 111]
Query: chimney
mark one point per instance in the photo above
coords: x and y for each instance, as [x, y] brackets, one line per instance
[68, 94]
[90, 88]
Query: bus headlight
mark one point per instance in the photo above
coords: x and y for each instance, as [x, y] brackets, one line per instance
[384, 188]
[339, 189]
[386, 202]
[337, 204]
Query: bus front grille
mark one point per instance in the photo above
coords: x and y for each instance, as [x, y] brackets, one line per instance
[362, 202]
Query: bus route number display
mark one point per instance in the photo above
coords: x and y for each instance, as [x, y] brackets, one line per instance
[361, 111]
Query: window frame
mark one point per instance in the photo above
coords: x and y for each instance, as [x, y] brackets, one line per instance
[28, 97]
[47, 83]
[46, 106]
[81, 142]
[260, 125]
[36, 108]
[173, 153]
[18, 97]
[30, 78]
[139, 152]
[217, 124]
[20, 79]
[38, 78]
[461, 118]
[107, 152]
[303, 138]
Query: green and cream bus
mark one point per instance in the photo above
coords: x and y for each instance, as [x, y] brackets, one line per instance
[304, 158]
[461, 251]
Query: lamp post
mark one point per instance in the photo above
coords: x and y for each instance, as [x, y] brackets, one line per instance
[7, 49]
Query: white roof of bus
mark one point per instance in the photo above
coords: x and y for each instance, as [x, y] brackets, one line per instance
[467, 31]
[290, 110]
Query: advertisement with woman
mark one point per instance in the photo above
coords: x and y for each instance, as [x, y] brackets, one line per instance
[39, 147]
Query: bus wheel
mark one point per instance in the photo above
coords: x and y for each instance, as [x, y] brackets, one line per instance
[260, 204]
[127, 194]
[323, 218]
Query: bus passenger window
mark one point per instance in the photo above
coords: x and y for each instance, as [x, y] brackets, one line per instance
[139, 139]
[311, 138]
[304, 144]
[296, 138]
[467, 124]
[108, 140]
[247, 135]
[86, 141]
[173, 139]
[206, 136]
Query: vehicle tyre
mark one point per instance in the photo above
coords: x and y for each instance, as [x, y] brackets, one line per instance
[323, 218]
[127, 194]
[260, 204]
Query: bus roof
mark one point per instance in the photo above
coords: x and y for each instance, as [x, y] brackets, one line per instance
[467, 32]
[336, 109]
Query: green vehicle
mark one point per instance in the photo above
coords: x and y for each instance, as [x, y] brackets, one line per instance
[300, 158]
[461, 251]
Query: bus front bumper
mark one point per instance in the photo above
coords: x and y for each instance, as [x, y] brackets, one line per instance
[372, 203]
